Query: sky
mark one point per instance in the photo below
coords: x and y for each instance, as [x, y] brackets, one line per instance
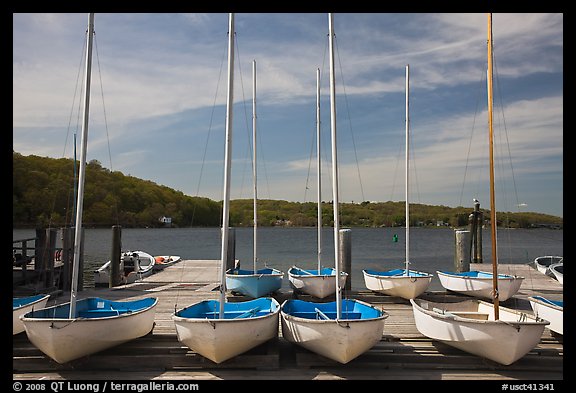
[158, 103]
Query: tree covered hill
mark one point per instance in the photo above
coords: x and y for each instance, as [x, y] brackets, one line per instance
[43, 194]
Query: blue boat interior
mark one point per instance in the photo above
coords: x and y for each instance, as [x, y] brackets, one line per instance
[93, 308]
[558, 303]
[476, 274]
[210, 309]
[325, 271]
[350, 309]
[22, 301]
[395, 272]
[245, 272]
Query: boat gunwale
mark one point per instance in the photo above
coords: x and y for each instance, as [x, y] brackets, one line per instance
[453, 317]
[88, 319]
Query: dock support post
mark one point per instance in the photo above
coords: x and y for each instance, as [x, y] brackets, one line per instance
[50, 255]
[346, 255]
[231, 257]
[80, 285]
[67, 258]
[462, 254]
[114, 278]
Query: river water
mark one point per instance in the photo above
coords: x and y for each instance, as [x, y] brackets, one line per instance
[431, 249]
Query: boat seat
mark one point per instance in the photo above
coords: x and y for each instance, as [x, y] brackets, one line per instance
[249, 313]
[101, 312]
[330, 315]
[471, 314]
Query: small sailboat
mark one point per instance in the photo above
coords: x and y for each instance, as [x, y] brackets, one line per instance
[321, 282]
[557, 270]
[22, 305]
[478, 283]
[543, 263]
[136, 265]
[256, 282]
[404, 283]
[216, 329]
[76, 329]
[485, 329]
[163, 261]
[550, 310]
[344, 329]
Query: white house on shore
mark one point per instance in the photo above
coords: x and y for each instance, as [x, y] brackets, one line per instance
[167, 221]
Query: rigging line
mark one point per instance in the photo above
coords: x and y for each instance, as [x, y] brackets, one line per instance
[312, 145]
[500, 162]
[398, 158]
[78, 76]
[498, 85]
[55, 194]
[470, 144]
[263, 161]
[249, 137]
[350, 121]
[114, 184]
[209, 133]
[413, 157]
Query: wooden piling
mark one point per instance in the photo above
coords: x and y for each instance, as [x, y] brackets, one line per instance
[67, 236]
[114, 278]
[231, 257]
[462, 251]
[49, 255]
[346, 255]
[475, 220]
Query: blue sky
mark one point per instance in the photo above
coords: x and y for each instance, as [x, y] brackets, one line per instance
[159, 92]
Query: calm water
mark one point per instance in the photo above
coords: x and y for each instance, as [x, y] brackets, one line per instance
[431, 249]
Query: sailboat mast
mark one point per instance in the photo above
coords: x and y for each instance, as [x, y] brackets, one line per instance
[82, 170]
[407, 171]
[493, 222]
[254, 167]
[318, 164]
[334, 168]
[227, 159]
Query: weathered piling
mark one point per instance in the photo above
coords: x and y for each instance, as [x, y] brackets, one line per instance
[462, 252]
[231, 256]
[114, 278]
[475, 224]
[67, 257]
[346, 255]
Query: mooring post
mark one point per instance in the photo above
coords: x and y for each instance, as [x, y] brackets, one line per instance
[114, 278]
[80, 285]
[50, 254]
[462, 252]
[40, 251]
[346, 255]
[67, 257]
[231, 256]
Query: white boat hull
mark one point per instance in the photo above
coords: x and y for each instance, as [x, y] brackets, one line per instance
[163, 261]
[550, 312]
[17, 325]
[255, 285]
[102, 275]
[470, 326]
[320, 286]
[223, 339]
[481, 287]
[407, 287]
[340, 340]
[64, 339]
[543, 263]
[558, 272]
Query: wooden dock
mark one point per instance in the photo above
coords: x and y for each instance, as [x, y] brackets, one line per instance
[402, 353]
